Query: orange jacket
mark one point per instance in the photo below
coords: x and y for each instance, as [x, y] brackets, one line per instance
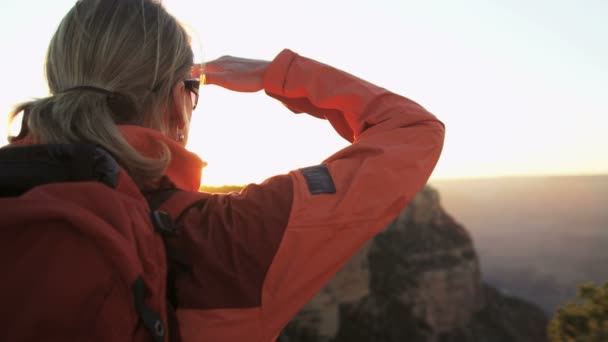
[258, 256]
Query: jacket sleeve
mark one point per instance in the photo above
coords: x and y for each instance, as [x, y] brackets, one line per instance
[395, 146]
[294, 232]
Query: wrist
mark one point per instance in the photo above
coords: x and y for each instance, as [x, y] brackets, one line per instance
[276, 72]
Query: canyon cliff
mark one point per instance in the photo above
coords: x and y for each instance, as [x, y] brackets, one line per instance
[419, 280]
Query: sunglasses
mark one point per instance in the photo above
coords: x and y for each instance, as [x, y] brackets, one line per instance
[193, 83]
[192, 86]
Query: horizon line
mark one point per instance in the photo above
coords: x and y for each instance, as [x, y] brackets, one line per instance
[465, 178]
[510, 176]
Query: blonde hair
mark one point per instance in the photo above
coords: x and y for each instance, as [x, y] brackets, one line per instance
[132, 48]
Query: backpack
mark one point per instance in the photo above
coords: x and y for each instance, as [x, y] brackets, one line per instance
[81, 254]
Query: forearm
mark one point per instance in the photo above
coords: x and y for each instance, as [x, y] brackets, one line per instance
[352, 105]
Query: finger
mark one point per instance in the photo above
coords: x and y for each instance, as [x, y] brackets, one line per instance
[219, 64]
[216, 78]
[213, 66]
[228, 81]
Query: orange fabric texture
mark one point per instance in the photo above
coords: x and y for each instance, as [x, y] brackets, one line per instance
[186, 167]
[395, 146]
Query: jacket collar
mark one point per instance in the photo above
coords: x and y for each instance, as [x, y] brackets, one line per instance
[185, 169]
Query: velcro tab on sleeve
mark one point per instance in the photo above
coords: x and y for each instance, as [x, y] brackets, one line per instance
[319, 180]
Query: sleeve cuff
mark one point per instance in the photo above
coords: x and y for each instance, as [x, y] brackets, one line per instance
[276, 74]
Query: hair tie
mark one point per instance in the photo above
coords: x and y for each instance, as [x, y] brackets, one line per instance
[121, 105]
[90, 88]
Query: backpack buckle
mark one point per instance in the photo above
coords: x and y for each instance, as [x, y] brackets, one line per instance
[163, 223]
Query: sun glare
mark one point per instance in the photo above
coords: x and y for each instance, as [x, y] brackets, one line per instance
[510, 107]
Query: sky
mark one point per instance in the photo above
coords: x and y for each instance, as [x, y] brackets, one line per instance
[522, 86]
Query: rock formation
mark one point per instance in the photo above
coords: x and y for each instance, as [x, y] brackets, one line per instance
[418, 280]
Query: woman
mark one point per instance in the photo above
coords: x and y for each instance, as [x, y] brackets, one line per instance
[121, 76]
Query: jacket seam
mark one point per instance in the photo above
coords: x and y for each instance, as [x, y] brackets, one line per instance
[294, 182]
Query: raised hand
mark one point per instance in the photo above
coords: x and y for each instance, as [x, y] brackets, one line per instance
[235, 73]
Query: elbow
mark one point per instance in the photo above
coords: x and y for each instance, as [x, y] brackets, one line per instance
[432, 130]
[439, 130]
[431, 142]
[437, 138]
[435, 129]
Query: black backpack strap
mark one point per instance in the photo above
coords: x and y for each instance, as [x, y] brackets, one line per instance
[25, 167]
[166, 224]
[157, 198]
[173, 201]
[150, 319]
[167, 206]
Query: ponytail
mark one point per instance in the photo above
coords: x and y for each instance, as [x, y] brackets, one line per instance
[82, 116]
[111, 62]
